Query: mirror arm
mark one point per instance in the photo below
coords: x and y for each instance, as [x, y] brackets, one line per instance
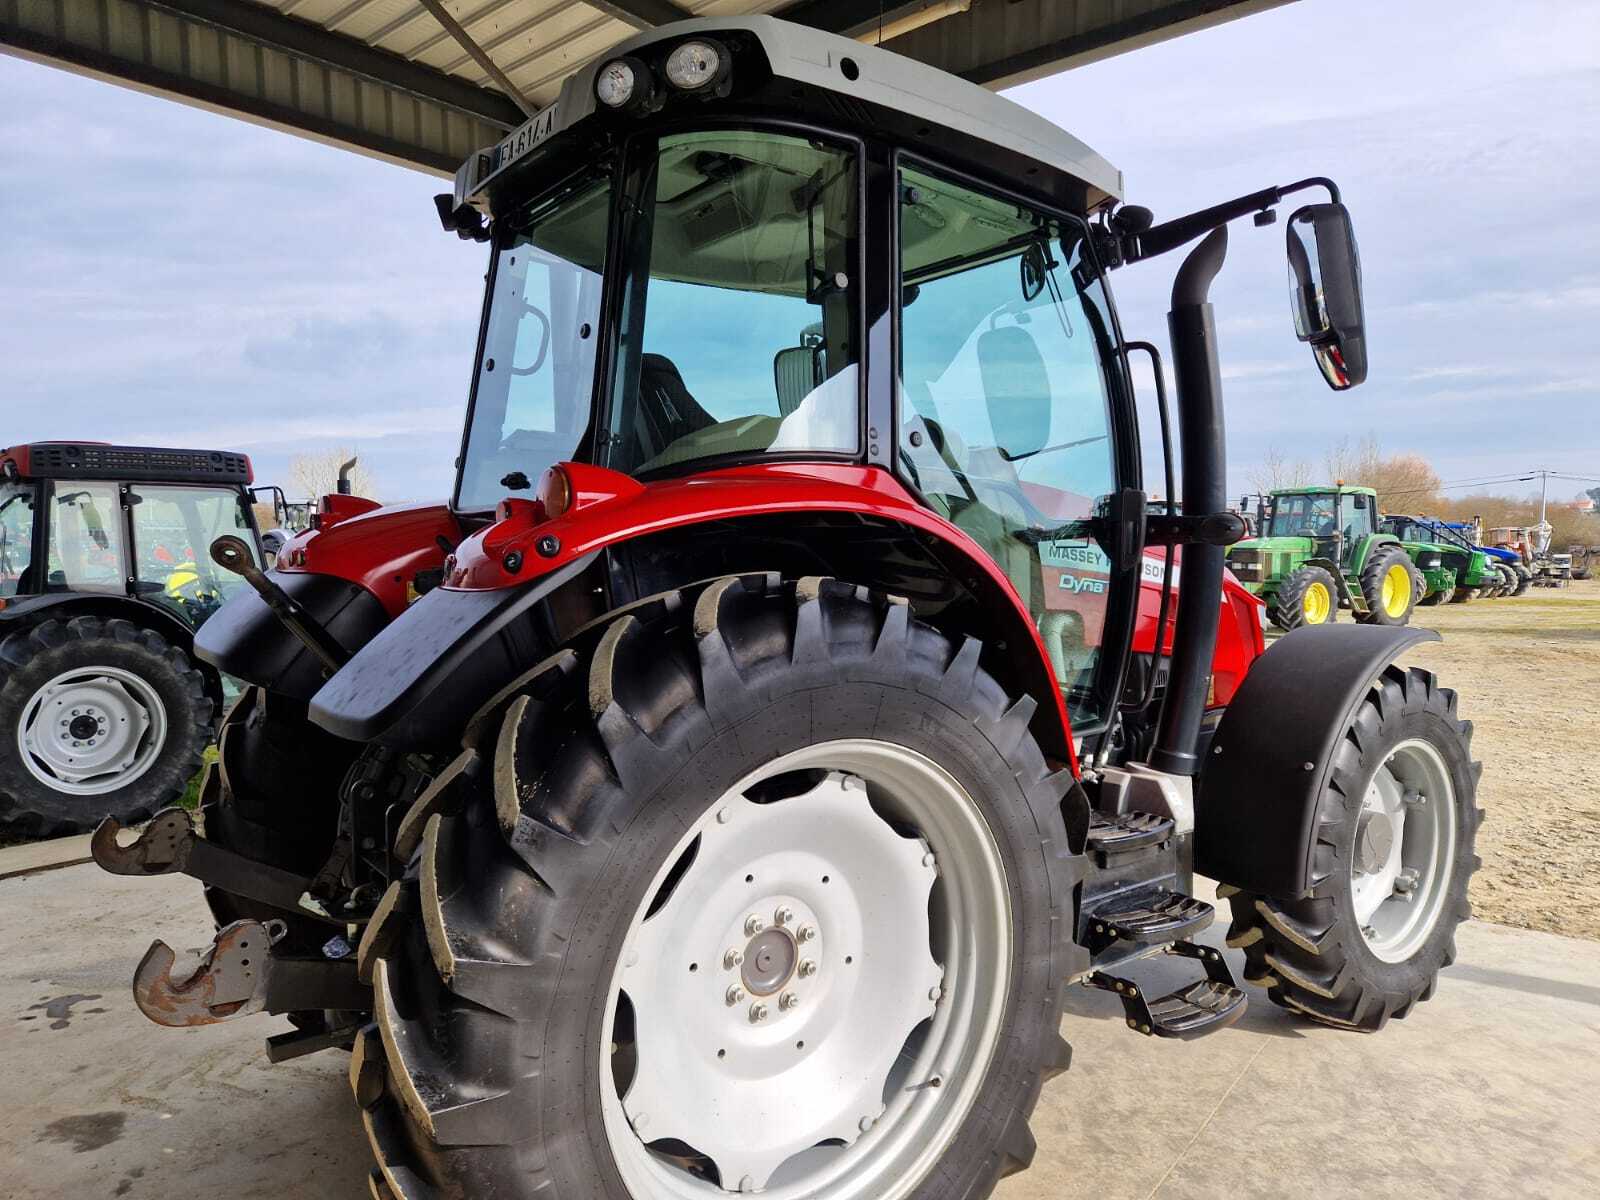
[1169, 235]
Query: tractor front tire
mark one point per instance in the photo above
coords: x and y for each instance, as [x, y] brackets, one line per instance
[1309, 596]
[1508, 580]
[1388, 582]
[1399, 812]
[97, 718]
[1524, 578]
[671, 885]
[1463, 595]
[1442, 596]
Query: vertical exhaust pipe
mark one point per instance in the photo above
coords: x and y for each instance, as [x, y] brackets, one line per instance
[1205, 467]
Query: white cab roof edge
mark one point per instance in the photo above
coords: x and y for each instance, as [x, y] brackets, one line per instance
[812, 57]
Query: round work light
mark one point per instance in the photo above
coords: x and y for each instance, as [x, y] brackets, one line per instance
[694, 65]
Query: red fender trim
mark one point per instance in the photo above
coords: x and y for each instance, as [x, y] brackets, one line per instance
[382, 549]
[613, 508]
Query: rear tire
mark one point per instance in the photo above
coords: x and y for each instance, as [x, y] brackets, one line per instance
[110, 676]
[492, 1068]
[1389, 584]
[1309, 596]
[1313, 955]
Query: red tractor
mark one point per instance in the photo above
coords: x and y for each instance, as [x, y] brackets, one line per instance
[720, 794]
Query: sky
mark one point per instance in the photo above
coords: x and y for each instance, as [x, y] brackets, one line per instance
[171, 276]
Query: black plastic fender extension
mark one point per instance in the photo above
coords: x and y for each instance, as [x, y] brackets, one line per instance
[419, 680]
[1256, 803]
[245, 638]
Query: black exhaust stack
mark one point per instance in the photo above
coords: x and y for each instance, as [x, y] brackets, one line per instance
[1205, 469]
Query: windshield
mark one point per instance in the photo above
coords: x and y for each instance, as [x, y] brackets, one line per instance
[736, 329]
[531, 401]
[1303, 516]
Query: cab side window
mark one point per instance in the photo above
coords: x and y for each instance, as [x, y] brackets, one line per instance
[1005, 421]
[86, 542]
[16, 537]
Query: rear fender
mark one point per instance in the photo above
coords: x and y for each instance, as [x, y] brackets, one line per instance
[420, 679]
[1256, 801]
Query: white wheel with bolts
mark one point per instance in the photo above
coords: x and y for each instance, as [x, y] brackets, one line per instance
[841, 1046]
[92, 730]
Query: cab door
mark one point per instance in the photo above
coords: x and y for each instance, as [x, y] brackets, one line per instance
[1006, 380]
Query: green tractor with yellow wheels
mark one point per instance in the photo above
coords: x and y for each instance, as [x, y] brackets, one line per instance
[1320, 549]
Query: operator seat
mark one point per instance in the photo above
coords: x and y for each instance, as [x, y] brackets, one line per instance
[665, 411]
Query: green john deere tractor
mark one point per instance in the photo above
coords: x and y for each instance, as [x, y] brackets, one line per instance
[1439, 552]
[1319, 550]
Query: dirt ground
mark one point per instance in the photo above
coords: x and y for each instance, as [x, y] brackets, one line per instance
[1527, 669]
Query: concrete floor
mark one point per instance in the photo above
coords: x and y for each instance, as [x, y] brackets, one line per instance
[1490, 1089]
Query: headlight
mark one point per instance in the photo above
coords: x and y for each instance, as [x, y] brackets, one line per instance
[1430, 561]
[694, 65]
[624, 84]
[615, 84]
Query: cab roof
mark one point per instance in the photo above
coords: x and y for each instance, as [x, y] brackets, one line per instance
[1319, 489]
[859, 78]
[145, 464]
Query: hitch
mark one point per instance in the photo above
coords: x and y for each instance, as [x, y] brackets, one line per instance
[240, 975]
[169, 844]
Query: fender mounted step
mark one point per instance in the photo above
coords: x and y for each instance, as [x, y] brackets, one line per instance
[1146, 917]
[1128, 831]
[1196, 1008]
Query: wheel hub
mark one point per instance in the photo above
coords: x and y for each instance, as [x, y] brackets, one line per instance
[1404, 850]
[770, 960]
[91, 731]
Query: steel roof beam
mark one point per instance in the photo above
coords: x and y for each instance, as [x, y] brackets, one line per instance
[464, 40]
[642, 14]
[263, 25]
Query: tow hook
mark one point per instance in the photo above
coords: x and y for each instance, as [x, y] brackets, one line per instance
[239, 975]
[230, 980]
[170, 844]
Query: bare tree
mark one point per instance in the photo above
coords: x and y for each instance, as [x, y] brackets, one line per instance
[1276, 471]
[1404, 482]
[316, 473]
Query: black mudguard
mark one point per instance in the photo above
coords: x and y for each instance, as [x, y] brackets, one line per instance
[1255, 810]
[244, 639]
[418, 681]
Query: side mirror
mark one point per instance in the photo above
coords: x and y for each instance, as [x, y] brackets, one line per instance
[1325, 292]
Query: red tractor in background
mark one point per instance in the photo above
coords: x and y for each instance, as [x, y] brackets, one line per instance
[720, 793]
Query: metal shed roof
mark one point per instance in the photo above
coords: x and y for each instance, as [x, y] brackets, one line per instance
[426, 82]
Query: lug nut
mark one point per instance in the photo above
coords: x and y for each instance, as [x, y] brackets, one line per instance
[808, 933]
[867, 1123]
[928, 859]
[753, 925]
[935, 994]
[736, 995]
[758, 1013]
[808, 968]
[733, 958]
[784, 915]
[788, 1000]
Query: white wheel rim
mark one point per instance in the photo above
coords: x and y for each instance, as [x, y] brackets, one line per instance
[884, 1046]
[92, 730]
[1405, 850]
